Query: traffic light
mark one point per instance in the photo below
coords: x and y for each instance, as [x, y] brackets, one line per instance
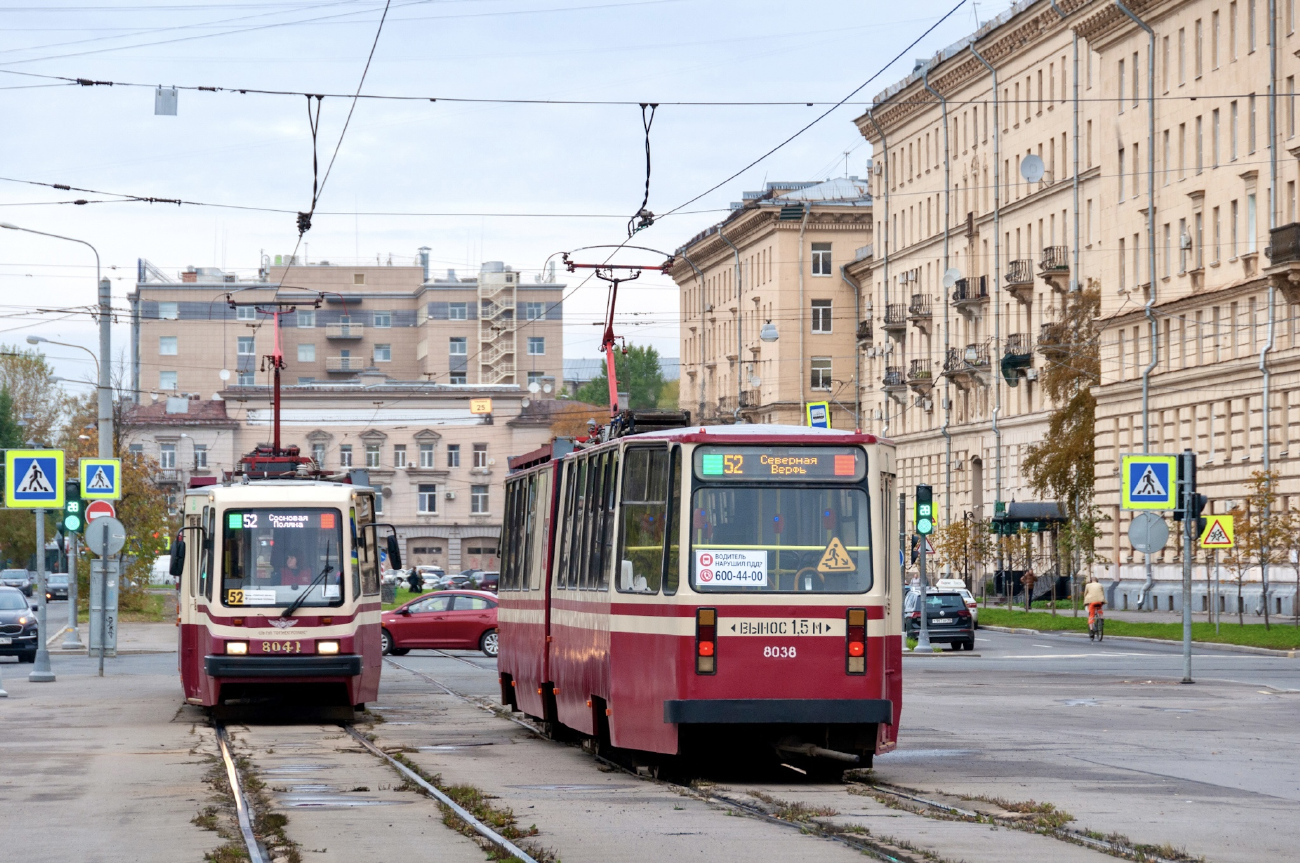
[1199, 502]
[924, 516]
[916, 545]
[74, 508]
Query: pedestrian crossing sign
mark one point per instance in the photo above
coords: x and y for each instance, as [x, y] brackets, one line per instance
[1148, 481]
[101, 479]
[34, 478]
[1218, 532]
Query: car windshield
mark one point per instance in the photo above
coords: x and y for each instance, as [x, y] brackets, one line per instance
[270, 556]
[14, 573]
[57, 580]
[941, 602]
[12, 602]
[780, 539]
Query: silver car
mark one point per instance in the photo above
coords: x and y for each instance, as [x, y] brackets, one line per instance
[19, 578]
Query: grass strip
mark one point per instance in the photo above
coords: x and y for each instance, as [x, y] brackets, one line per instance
[1278, 637]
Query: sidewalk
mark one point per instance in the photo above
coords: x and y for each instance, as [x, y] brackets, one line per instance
[132, 638]
[1162, 616]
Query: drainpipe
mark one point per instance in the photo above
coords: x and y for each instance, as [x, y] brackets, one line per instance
[1074, 271]
[699, 281]
[740, 316]
[1272, 223]
[884, 142]
[857, 353]
[1151, 260]
[997, 292]
[947, 401]
[135, 343]
[803, 223]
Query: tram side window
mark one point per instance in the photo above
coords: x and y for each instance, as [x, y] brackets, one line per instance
[582, 476]
[593, 555]
[608, 517]
[200, 585]
[539, 530]
[566, 548]
[528, 537]
[508, 527]
[367, 552]
[672, 559]
[645, 504]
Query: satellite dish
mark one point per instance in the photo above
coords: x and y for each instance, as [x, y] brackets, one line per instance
[547, 388]
[534, 387]
[224, 374]
[950, 276]
[755, 382]
[525, 403]
[1031, 168]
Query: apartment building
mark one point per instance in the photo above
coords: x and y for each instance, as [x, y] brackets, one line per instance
[768, 319]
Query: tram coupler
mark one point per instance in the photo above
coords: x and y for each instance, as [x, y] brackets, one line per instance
[812, 750]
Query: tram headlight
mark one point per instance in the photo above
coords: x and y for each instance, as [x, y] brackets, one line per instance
[236, 648]
[329, 648]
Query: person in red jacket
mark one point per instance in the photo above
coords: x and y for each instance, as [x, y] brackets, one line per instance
[292, 573]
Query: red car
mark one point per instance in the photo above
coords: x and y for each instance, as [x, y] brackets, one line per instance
[457, 619]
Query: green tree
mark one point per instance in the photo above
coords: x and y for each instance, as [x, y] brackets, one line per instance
[964, 545]
[638, 374]
[1260, 533]
[17, 529]
[27, 377]
[11, 434]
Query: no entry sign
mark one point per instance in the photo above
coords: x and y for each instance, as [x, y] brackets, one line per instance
[99, 509]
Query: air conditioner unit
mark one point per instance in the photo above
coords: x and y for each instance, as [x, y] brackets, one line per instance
[451, 495]
[1031, 374]
[880, 169]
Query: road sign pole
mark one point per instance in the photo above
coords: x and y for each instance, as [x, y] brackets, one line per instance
[103, 602]
[41, 673]
[73, 641]
[1216, 592]
[923, 641]
[1188, 492]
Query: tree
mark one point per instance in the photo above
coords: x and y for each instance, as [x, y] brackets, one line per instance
[670, 396]
[964, 545]
[17, 530]
[27, 377]
[638, 374]
[1260, 532]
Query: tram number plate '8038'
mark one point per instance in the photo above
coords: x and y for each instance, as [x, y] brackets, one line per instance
[785, 626]
[282, 647]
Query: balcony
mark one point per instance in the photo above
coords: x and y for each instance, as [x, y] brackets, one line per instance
[1020, 280]
[1050, 335]
[1054, 267]
[345, 364]
[865, 334]
[893, 380]
[895, 321]
[167, 476]
[344, 331]
[1017, 358]
[918, 312]
[1283, 270]
[968, 295]
[967, 366]
[919, 376]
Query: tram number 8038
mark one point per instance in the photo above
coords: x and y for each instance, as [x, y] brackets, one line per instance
[779, 652]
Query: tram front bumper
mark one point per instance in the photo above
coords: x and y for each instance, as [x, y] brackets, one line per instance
[778, 711]
[282, 666]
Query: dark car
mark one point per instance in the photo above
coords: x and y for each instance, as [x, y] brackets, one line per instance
[486, 580]
[56, 585]
[455, 619]
[18, 633]
[947, 617]
[19, 578]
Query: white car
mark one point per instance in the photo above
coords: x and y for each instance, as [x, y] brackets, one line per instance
[973, 605]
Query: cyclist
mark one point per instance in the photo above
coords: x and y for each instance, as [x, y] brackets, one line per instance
[1095, 600]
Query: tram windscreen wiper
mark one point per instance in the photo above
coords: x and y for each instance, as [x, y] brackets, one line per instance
[329, 567]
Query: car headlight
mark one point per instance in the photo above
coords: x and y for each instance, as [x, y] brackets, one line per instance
[328, 648]
[22, 621]
[236, 648]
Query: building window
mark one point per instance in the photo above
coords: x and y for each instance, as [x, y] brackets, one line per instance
[318, 454]
[821, 259]
[426, 455]
[428, 499]
[453, 455]
[306, 353]
[1251, 238]
[821, 316]
[821, 373]
[457, 311]
[534, 311]
[456, 378]
[169, 311]
[478, 499]
[358, 278]
[457, 346]
[166, 346]
[244, 346]
[308, 380]
[480, 455]
[306, 320]
[167, 380]
[245, 313]
[136, 449]
[1234, 247]
[536, 378]
[200, 456]
[246, 379]
[372, 455]
[536, 346]
[167, 456]
[383, 353]
[345, 455]
[379, 500]
[382, 320]
[399, 455]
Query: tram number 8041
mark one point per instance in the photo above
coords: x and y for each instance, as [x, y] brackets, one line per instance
[772, 652]
[282, 647]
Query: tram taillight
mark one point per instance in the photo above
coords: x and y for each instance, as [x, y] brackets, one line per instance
[706, 640]
[856, 640]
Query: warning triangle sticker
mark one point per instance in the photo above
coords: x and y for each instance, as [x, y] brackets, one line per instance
[835, 558]
[35, 481]
[100, 481]
[1149, 485]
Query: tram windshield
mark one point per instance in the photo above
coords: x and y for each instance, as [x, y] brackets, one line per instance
[274, 556]
[778, 539]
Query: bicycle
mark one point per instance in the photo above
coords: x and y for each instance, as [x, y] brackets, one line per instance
[1097, 625]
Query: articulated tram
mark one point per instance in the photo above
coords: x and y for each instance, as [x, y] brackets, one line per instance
[707, 591]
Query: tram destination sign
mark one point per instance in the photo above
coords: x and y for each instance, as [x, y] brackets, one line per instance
[792, 464]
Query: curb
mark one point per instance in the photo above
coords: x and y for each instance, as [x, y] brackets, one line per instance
[1231, 648]
[907, 653]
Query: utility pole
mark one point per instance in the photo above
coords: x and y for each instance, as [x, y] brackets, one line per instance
[924, 524]
[105, 369]
[1189, 507]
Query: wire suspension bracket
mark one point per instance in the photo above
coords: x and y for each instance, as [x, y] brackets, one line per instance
[644, 218]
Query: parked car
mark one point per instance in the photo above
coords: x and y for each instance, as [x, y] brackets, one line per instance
[464, 580]
[973, 605]
[19, 634]
[455, 619]
[430, 576]
[486, 580]
[19, 578]
[394, 576]
[947, 618]
[56, 585]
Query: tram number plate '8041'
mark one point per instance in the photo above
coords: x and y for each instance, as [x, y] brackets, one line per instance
[785, 626]
[282, 647]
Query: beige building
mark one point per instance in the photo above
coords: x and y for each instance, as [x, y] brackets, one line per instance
[1213, 296]
[774, 267]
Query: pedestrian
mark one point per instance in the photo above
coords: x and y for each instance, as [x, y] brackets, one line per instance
[1028, 580]
[1094, 599]
[415, 581]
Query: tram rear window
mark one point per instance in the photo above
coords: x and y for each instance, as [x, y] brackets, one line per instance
[270, 557]
[783, 464]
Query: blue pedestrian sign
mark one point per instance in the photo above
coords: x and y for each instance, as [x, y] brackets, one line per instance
[1148, 481]
[34, 478]
[101, 479]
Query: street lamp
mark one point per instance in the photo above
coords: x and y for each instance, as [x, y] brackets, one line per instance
[38, 340]
[768, 333]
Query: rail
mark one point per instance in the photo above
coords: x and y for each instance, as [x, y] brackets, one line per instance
[893, 376]
[1055, 258]
[971, 289]
[919, 307]
[344, 331]
[255, 854]
[895, 314]
[919, 370]
[1019, 344]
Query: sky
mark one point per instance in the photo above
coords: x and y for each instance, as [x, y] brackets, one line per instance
[443, 174]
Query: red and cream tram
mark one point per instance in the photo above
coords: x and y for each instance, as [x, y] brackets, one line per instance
[707, 591]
